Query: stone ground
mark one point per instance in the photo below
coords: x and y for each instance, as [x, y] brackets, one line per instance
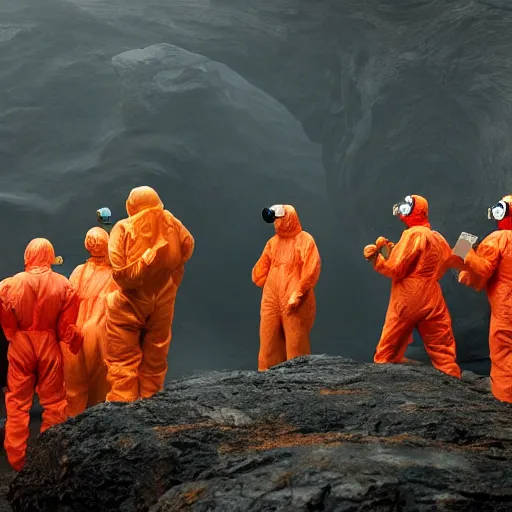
[319, 433]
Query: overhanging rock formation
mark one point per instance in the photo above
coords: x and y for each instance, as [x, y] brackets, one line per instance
[317, 433]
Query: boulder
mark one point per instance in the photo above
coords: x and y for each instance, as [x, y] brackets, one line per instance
[316, 433]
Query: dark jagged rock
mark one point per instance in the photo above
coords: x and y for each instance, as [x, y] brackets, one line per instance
[317, 433]
[5, 479]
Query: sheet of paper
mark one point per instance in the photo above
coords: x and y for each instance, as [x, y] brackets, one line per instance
[465, 242]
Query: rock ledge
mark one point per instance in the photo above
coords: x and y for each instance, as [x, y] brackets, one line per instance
[318, 433]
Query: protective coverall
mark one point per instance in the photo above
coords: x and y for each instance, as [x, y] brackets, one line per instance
[40, 310]
[490, 267]
[148, 251]
[85, 373]
[288, 271]
[415, 265]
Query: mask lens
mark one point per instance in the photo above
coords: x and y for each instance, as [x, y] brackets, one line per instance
[404, 209]
[268, 215]
[498, 212]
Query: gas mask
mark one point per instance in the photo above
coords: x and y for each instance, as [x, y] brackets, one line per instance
[104, 216]
[404, 208]
[269, 215]
[498, 212]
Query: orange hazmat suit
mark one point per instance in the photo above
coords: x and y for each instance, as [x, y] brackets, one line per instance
[40, 310]
[288, 271]
[148, 251]
[490, 267]
[85, 373]
[415, 265]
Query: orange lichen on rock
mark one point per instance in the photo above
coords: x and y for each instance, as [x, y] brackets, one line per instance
[125, 442]
[185, 499]
[283, 481]
[408, 407]
[274, 436]
[417, 387]
[175, 429]
[190, 497]
[327, 391]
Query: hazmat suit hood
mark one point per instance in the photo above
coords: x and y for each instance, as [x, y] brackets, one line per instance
[146, 212]
[506, 223]
[142, 198]
[289, 225]
[419, 214]
[39, 254]
[96, 243]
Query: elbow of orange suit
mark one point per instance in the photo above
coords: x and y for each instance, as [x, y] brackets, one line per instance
[177, 275]
[310, 271]
[187, 249]
[261, 270]
[9, 323]
[259, 280]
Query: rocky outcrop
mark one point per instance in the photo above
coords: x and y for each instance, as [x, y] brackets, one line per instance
[317, 433]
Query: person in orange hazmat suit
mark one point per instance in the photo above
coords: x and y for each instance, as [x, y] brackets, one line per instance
[40, 310]
[415, 264]
[288, 271]
[148, 251]
[4, 344]
[490, 267]
[85, 373]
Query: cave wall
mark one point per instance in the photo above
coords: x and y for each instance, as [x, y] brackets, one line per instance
[340, 108]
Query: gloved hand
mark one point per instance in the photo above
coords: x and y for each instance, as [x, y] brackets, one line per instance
[370, 252]
[294, 301]
[464, 278]
[149, 256]
[384, 246]
[382, 241]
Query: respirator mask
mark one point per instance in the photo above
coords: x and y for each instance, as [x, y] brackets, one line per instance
[498, 212]
[404, 208]
[269, 215]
